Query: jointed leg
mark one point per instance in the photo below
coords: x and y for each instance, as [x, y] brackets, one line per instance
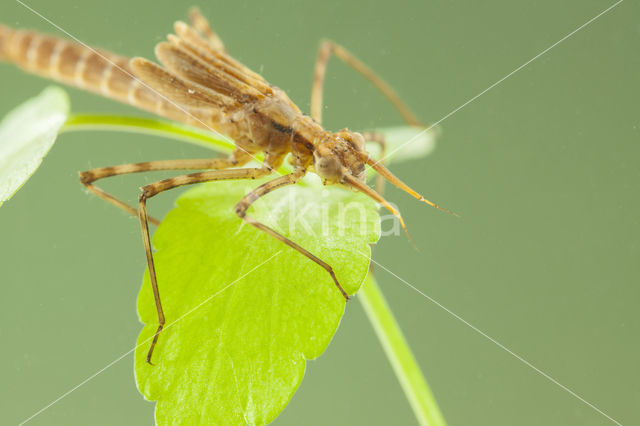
[324, 54]
[378, 138]
[262, 190]
[154, 189]
[87, 178]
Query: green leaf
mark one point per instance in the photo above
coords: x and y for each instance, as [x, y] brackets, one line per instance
[248, 310]
[26, 135]
[403, 143]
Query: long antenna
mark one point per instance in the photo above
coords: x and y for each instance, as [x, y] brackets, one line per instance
[400, 184]
[362, 187]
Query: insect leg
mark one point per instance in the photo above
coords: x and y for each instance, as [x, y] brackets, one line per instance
[379, 138]
[88, 177]
[151, 190]
[264, 189]
[324, 54]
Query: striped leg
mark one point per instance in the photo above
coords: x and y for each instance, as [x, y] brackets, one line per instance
[324, 54]
[154, 189]
[262, 190]
[87, 178]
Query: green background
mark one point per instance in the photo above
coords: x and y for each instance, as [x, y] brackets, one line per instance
[544, 170]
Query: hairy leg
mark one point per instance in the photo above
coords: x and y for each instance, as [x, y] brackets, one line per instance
[264, 189]
[327, 48]
[151, 190]
[87, 178]
[378, 138]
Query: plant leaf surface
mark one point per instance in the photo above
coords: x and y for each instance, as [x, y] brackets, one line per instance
[26, 135]
[248, 310]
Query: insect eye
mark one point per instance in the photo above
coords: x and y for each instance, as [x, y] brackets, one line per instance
[327, 166]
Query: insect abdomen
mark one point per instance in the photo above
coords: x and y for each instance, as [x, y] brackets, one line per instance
[74, 64]
[67, 62]
[112, 76]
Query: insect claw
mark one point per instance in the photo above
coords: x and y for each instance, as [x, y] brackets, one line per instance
[149, 358]
[344, 293]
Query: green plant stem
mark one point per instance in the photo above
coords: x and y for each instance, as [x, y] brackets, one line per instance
[162, 128]
[399, 354]
[166, 129]
[395, 346]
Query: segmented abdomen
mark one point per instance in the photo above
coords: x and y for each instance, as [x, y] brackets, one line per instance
[94, 70]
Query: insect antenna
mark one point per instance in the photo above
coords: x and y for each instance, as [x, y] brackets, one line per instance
[400, 184]
[362, 187]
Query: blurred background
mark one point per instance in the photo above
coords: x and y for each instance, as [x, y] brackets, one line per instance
[544, 170]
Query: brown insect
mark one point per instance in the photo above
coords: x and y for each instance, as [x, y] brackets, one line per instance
[201, 85]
